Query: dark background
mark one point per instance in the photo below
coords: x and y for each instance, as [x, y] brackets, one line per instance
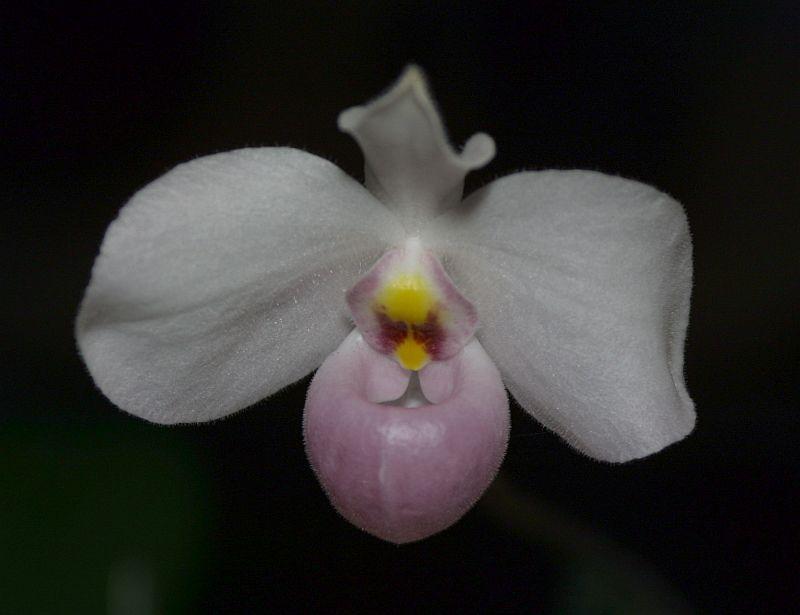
[99, 510]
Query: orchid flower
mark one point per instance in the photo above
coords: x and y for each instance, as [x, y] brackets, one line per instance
[235, 275]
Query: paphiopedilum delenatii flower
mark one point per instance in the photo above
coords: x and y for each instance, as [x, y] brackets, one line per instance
[237, 274]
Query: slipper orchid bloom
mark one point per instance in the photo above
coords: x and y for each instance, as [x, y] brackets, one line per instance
[235, 275]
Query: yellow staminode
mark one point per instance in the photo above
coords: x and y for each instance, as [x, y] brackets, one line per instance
[407, 298]
[411, 354]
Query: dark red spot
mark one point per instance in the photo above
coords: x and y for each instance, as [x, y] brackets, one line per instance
[393, 332]
[430, 334]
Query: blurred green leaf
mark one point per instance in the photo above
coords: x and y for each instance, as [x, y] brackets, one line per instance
[100, 518]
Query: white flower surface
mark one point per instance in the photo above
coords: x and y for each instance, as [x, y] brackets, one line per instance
[227, 279]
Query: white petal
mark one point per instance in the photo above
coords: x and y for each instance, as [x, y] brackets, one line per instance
[582, 283]
[409, 164]
[224, 281]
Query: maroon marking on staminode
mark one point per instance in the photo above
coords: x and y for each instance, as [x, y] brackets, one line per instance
[393, 332]
[430, 334]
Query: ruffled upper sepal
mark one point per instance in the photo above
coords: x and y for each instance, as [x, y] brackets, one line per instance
[409, 164]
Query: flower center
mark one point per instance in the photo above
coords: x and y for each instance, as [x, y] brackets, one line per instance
[407, 306]
[406, 310]
[408, 298]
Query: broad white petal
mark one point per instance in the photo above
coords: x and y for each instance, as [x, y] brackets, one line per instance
[409, 163]
[224, 281]
[582, 283]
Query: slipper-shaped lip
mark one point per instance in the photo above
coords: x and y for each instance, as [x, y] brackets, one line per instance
[405, 473]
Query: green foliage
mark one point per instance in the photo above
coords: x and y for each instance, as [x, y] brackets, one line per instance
[97, 519]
